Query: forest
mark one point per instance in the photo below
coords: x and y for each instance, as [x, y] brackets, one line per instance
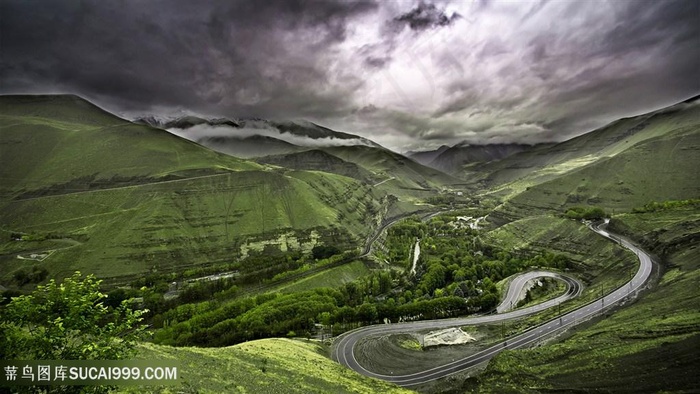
[456, 275]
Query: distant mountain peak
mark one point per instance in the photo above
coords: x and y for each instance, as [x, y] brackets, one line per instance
[451, 159]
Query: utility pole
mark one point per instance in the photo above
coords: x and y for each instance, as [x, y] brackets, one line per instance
[559, 312]
[631, 277]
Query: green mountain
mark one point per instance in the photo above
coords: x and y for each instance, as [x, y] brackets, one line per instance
[632, 161]
[85, 190]
[398, 171]
[647, 345]
[457, 157]
[426, 156]
[89, 191]
[56, 144]
[318, 160]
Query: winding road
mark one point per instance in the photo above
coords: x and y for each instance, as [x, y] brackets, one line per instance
[343, 347]
[517, 286]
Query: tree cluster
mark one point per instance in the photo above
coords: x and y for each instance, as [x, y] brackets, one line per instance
[586, 213]
[655, 206]
[457, 274]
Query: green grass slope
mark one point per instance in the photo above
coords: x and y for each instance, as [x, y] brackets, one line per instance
[262, 366]
[596, 261]
[671, 128]
[648, 346]
[92, 192]
[55, 144]
[318, 160]
[333, 278]
[168, 226]
[657, 168]
[384, 164]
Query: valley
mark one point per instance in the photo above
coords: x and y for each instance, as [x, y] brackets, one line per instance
[343, 352]
[342, 254]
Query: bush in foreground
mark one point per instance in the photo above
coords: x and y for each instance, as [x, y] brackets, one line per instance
[68, 321]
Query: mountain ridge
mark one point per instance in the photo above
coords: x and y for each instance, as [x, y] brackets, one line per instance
[293, 128]
[452, 160]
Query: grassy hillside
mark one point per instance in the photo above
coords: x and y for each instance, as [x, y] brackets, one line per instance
[319, 160]
[169, 226]
[648, 346]
[85, 190]
[664, 141]
[89, 191]
[662, 168]
[597, 262]
[408, 185]
[333, 278]
[58, 144]
[262, 366]
[385, 164]
[454, 159]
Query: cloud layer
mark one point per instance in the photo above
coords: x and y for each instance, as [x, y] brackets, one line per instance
[408, 75]
[198, 133]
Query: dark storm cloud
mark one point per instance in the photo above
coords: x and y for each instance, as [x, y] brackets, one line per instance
[251, 57]
[567, 80]
[656, 48]
[425, 16]
[403, 73]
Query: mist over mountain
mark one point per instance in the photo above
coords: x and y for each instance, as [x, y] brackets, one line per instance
[184, 122]
[254, 137]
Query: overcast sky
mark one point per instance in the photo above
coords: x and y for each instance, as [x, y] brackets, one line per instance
[405, 74]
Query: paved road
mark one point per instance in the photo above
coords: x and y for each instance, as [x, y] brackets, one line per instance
[343, 348]
[517, 286]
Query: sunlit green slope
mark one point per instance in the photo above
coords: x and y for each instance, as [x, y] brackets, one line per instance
[634, 161]
[88, 190]
[54, 144]
[663, 141]
[385, 164]
[649, 345]
[262, 366]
